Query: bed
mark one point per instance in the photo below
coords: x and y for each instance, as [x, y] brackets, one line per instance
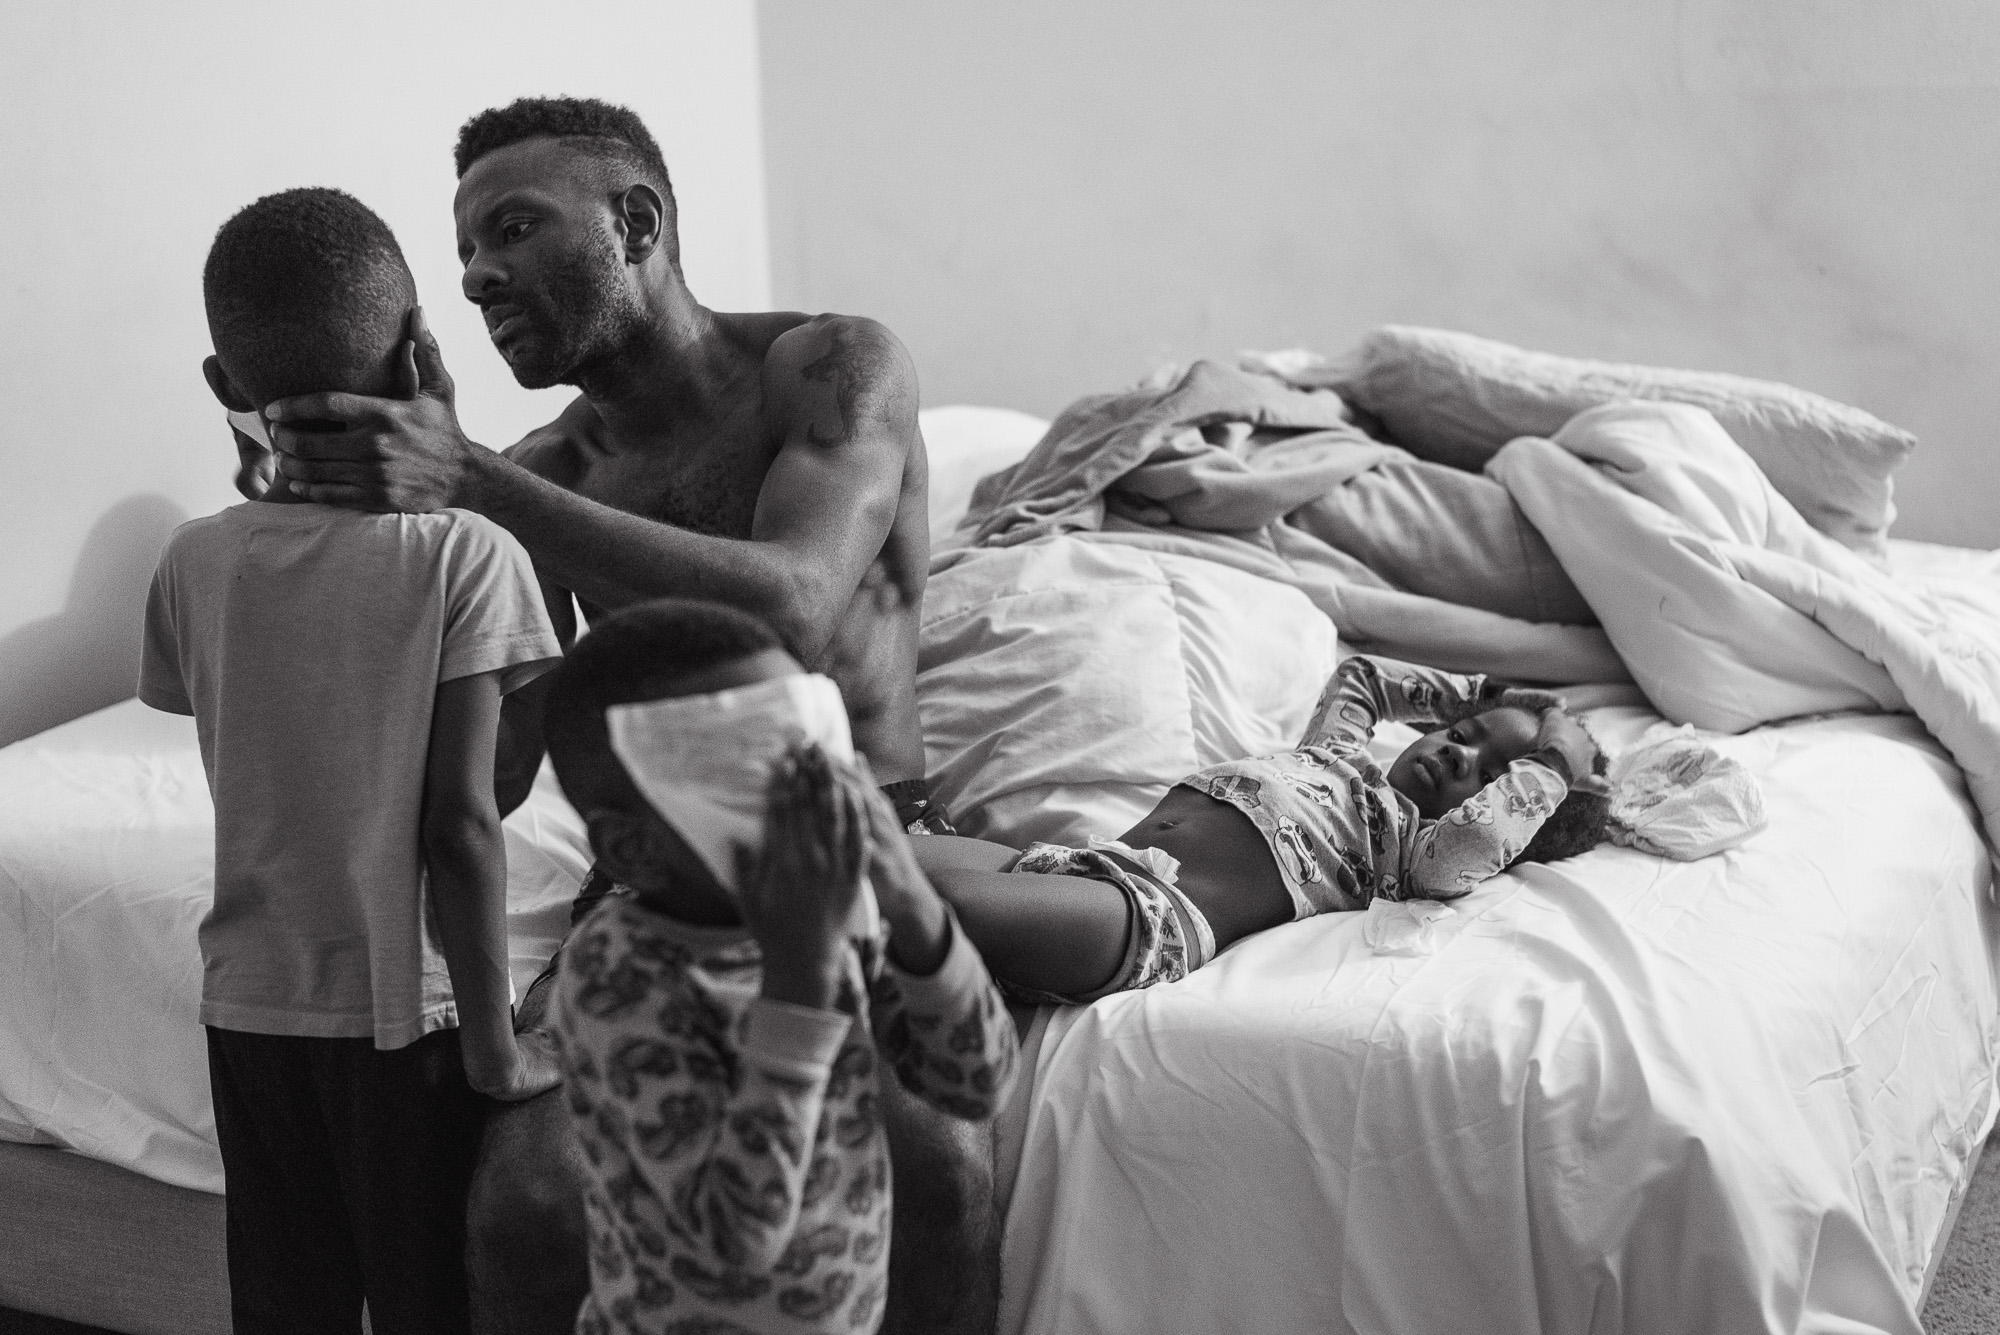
[1750, 1087]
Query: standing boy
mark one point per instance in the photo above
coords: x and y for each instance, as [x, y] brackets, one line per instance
[345, 673]
[728, 1012]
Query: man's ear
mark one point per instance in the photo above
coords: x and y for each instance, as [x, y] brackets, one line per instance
[642, 216]
[223, 387]
[630, 848]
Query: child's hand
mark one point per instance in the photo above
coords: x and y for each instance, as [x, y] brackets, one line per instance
[536, 1070]
[1535, 701]
[797, 893]
[1499, 693]
[1562, 733]
[909, 902]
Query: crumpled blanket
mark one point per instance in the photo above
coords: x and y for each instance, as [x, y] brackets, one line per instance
[1238, 467]
[1710, 590]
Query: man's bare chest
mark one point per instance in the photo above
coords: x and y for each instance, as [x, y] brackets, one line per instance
[710, 490]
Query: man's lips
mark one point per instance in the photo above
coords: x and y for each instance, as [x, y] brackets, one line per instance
[504, 321]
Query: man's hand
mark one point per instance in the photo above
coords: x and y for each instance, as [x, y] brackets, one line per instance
[402, 454]
[797, 894]
[537, 1068]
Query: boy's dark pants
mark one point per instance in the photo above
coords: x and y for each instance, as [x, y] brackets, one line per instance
[347, 1171]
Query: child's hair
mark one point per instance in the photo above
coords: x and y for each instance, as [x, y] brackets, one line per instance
[1580, 822]
[634, 654]
[303, 290]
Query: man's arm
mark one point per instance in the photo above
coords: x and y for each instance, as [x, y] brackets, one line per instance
[843, 388]
[466, 856]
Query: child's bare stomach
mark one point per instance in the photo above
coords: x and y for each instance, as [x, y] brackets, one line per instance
[1226, 867]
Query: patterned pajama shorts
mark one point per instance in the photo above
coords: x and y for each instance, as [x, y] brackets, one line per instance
[1169, 937]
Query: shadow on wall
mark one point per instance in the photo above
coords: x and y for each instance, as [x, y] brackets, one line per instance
[87, 655]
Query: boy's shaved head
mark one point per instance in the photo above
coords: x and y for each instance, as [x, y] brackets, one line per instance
[306, 290]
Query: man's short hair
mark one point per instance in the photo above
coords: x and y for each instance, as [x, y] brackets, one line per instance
[303, 290]
[611, 134]
[1580, 822]
[635, 654]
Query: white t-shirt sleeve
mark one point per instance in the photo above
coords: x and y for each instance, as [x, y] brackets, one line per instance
[494, 618]
[160, 682]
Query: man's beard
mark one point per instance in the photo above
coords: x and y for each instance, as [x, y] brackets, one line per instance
[586, 322]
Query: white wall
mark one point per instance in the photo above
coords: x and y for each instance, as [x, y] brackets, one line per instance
[1045, 197]
[130, 131]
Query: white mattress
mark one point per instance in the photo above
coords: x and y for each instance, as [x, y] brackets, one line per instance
[1622, 1095]
[106, 867]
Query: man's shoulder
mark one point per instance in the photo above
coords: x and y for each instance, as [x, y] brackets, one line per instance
[830, 371]
[816, 344]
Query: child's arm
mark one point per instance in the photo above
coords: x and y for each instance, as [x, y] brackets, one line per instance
[466, 857]
[1481, 836]
[737, 1175]
[1366, 690]
[937, 1016]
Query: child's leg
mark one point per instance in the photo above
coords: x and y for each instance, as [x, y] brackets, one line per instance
[1069, 925]
[293, 1266]
[1056, 936]
[406, 1126]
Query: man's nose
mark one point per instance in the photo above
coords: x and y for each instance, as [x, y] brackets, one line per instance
[1464, 759]
[481, 275]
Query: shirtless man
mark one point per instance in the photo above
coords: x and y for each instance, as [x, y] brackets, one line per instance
[768, 460]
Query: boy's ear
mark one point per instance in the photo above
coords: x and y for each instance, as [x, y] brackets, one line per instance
[223, 388]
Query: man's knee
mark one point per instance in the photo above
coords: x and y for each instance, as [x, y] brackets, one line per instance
[525, 1217]
[942, 1166]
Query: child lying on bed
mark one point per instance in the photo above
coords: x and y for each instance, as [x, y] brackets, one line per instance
[345, 672]
[729, 1014]
[1508, 776]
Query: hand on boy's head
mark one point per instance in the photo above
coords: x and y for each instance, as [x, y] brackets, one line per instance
[394, 454]
[1530, 698]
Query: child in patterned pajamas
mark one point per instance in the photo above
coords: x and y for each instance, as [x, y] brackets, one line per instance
[1507, 776]
[724, 1036]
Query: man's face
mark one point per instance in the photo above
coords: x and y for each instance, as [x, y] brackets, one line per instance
[1441, 769]
[542, 261]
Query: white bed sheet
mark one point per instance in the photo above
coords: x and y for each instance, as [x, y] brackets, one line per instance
[1622, 1095]
[106, 867]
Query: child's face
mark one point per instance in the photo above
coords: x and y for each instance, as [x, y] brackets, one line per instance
[644, 852]
[1441, 769]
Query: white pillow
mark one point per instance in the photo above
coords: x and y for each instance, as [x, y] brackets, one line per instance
[965, 444]
[1456, 399]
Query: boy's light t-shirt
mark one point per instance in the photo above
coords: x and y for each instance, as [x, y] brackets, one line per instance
[309, 642]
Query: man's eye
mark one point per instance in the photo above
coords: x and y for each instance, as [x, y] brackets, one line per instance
[514, 231]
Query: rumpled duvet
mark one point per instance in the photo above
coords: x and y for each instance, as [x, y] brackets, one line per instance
[1705, 585]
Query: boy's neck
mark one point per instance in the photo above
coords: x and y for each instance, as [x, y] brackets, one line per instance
[281, 493]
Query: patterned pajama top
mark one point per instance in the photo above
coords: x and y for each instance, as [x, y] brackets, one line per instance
[739, 1171]
[1341, 836]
